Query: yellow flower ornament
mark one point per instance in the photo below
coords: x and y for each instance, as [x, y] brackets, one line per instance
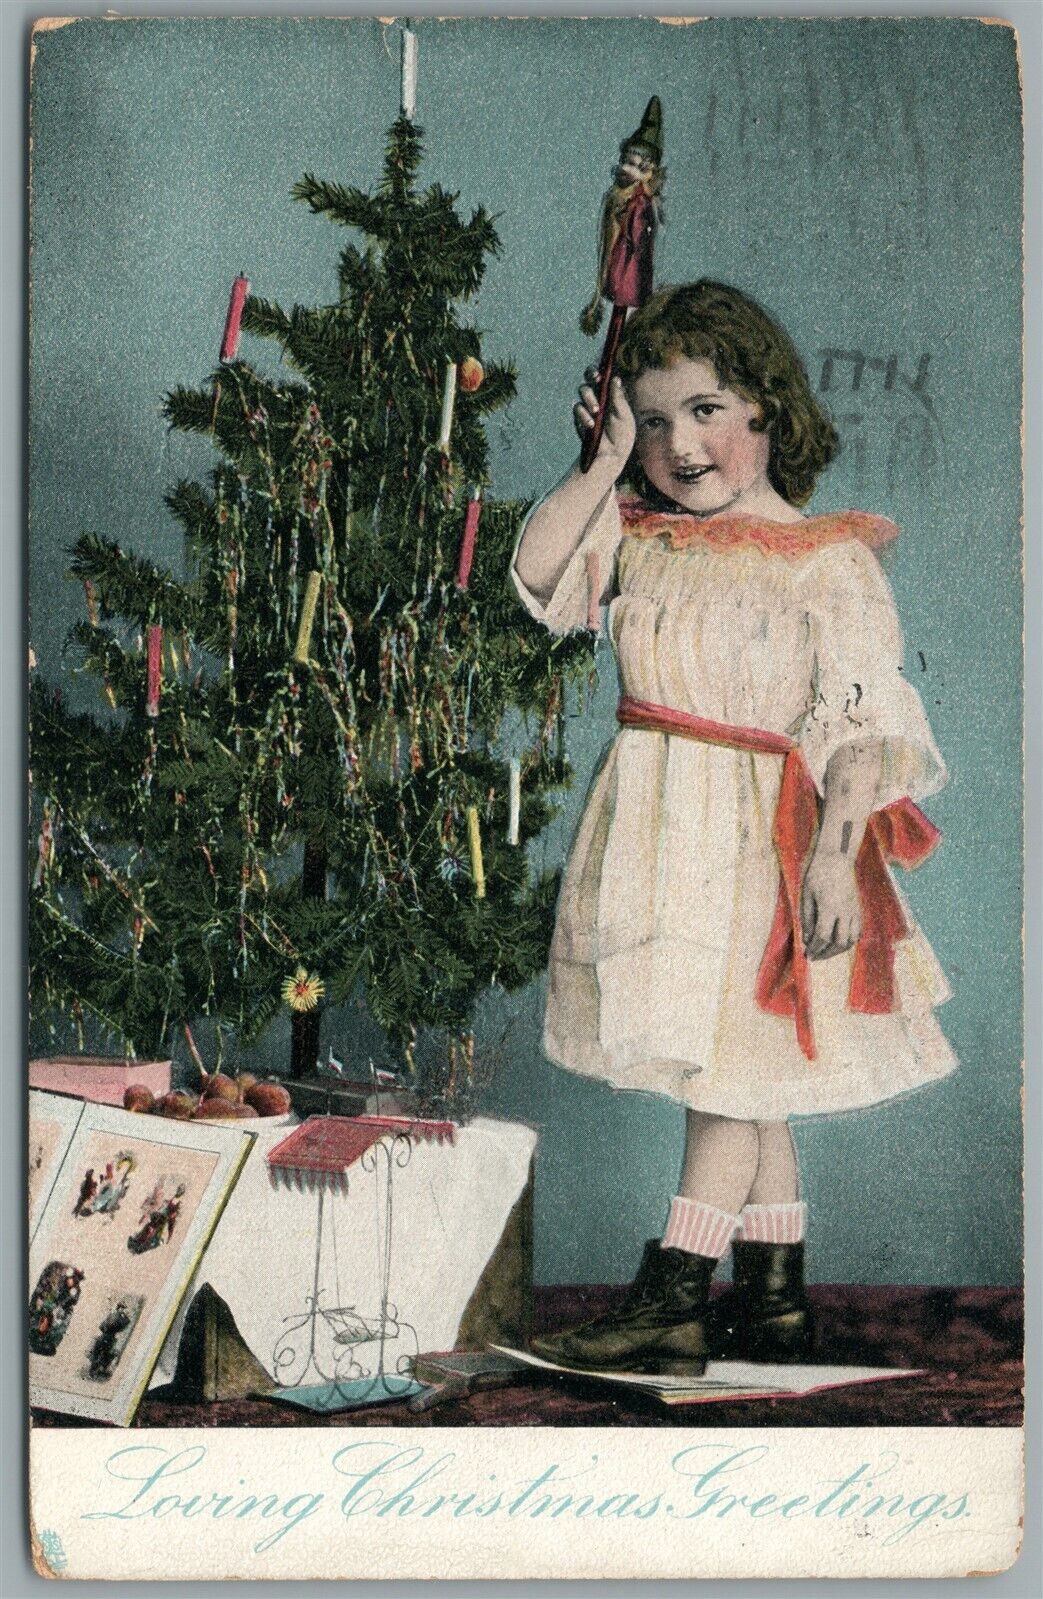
[303, 990]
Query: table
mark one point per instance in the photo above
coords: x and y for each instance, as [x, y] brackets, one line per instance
[310, 1278]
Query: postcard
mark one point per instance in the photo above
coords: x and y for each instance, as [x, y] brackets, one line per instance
[525, 707]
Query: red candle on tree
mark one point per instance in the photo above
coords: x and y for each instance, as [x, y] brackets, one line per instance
[155, 669]
[230, 342]
[474, 511]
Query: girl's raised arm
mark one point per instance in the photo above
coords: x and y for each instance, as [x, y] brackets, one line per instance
[555, 528]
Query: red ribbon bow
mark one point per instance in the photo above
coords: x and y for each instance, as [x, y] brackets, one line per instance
[898, 834]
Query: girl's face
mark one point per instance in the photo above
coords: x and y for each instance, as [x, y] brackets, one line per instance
[694, 439]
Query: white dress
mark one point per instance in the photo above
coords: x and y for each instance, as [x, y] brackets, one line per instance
[670, 889]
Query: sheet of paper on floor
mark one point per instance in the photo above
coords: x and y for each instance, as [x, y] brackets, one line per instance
[726, 1379]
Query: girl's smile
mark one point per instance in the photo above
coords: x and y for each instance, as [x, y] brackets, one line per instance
[696, 444]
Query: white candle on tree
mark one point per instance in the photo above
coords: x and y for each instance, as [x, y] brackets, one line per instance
[409, 61]
[514, 811]
[448, 402]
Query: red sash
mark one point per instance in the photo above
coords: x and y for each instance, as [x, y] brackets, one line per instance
[899, 833]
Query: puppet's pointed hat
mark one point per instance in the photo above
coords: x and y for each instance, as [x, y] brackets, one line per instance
[649, 135]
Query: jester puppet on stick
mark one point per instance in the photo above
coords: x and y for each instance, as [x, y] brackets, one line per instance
[630, 215]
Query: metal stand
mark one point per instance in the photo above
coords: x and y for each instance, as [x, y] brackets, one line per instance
[340, 1344]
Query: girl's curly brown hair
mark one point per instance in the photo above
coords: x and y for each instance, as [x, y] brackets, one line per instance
[751, 354]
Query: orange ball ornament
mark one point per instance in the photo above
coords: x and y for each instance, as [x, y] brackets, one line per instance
[470, 374]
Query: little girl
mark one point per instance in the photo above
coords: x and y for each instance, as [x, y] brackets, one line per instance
[728, 932]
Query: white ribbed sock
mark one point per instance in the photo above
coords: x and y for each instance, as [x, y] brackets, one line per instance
[698, 1229]
[773, 1224]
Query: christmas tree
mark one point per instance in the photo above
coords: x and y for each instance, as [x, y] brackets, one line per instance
[329, 743]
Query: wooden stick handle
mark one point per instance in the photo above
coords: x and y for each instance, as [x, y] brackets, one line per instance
[608, 361]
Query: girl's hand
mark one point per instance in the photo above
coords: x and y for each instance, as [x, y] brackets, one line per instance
[830, 909]
[620, 431]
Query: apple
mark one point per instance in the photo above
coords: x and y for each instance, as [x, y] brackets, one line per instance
[138, 1097]
[217, 1109]
[268, 1099]
[179, 1105]
[218, 1086]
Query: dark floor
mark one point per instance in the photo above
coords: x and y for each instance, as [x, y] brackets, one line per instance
[968, 1341]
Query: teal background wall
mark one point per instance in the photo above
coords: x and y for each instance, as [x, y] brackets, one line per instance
[863, 179]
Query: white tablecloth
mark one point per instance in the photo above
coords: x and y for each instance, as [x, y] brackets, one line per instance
[448, 1208]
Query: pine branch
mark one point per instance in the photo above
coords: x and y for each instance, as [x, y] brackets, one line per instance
[265, 318]
[105, 658]
[68, 968]
[129, 586]
[404, 150]
[358, 273]
[451, 253]
[193, 508]
[316, 340]
[188, 410]
[348, 206]
[68, 749]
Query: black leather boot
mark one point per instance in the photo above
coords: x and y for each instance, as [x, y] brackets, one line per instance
[766, 1316]
[658, 1328]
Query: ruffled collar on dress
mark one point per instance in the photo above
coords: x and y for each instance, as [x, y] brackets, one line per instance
[730, 529]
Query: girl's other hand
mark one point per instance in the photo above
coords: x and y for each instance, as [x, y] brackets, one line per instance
[620, 431]
[830, 909]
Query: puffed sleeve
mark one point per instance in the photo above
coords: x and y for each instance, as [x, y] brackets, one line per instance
[568, 607]
[859, 691]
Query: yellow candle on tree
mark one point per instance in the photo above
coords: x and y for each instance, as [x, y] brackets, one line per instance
[307, 621]
[474, 838]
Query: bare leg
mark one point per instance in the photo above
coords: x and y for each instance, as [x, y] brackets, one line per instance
[777, 1181]
[720, 1161]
